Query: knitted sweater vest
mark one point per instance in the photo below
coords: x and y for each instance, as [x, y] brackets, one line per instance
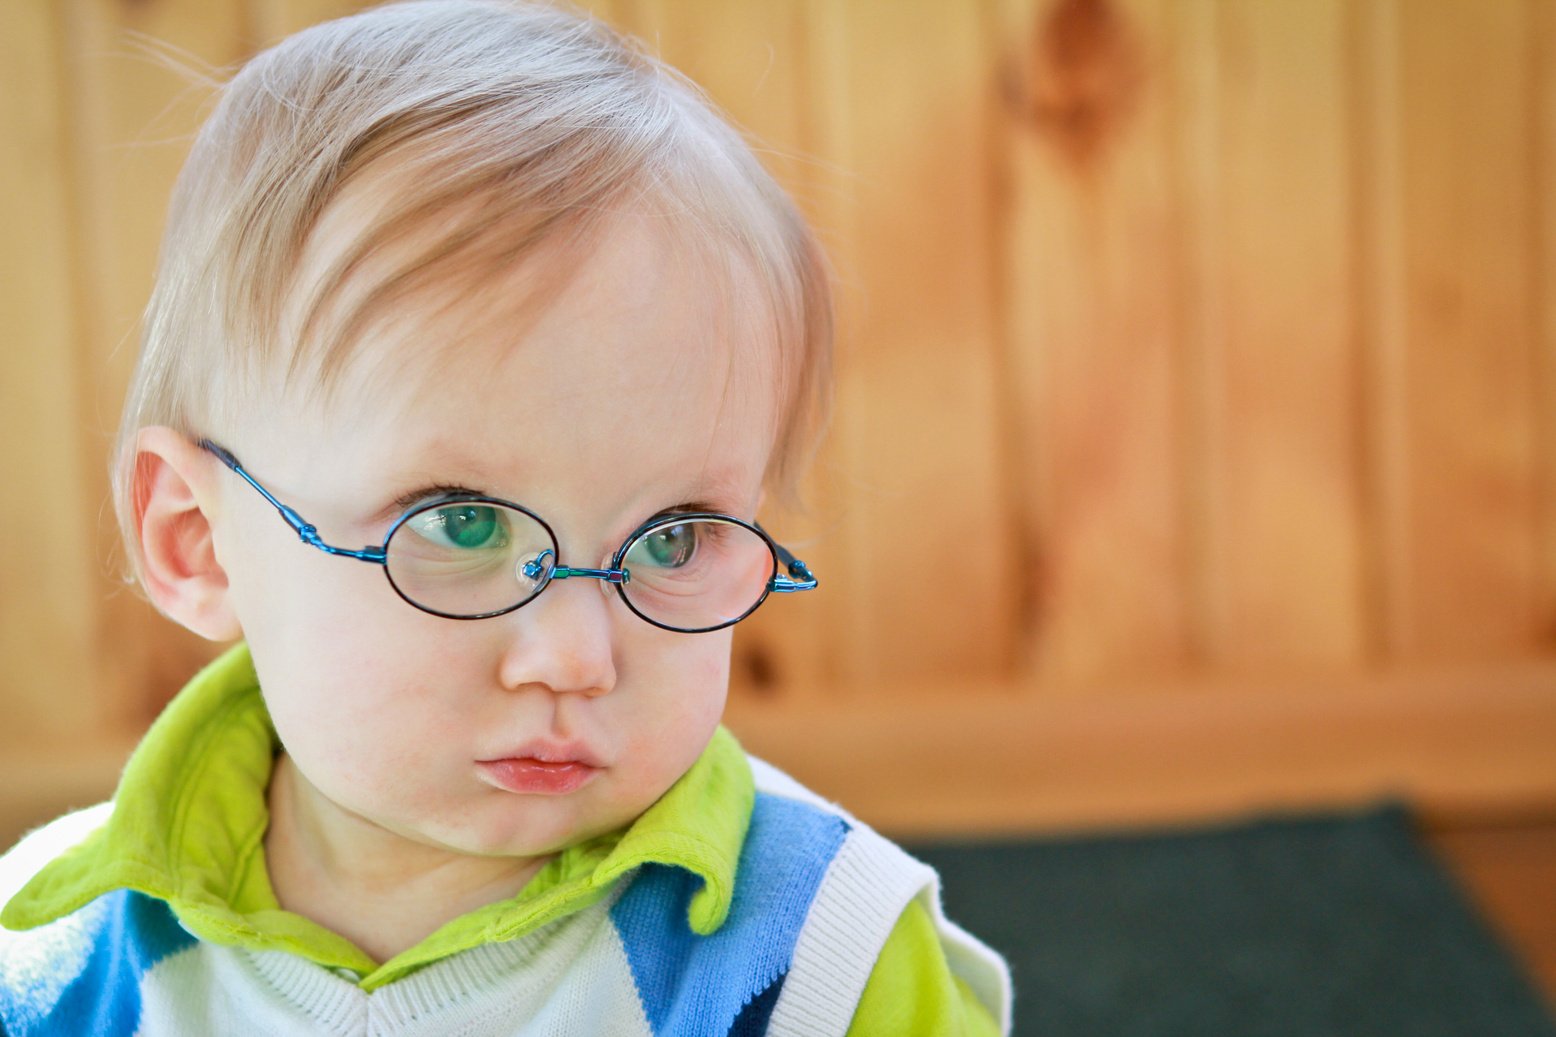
[816, 895]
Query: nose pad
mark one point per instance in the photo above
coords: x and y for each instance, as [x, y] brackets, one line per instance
[534, 571]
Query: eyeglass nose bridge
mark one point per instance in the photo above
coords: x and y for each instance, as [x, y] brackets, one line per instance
[543, 569]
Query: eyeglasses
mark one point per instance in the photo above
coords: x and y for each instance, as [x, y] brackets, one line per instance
[466, 556]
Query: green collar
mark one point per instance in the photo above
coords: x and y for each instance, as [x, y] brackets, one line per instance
[189, 818]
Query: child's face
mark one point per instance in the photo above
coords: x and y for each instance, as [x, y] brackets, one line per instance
[618, 399]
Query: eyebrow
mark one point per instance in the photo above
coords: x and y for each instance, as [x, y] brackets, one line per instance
[409, 499]
[705, 493]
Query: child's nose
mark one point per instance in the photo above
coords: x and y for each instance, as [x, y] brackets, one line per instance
[562, 641]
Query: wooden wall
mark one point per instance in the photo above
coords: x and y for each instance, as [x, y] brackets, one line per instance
[1195, 445]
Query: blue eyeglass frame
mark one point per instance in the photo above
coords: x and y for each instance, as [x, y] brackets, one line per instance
[799, 579]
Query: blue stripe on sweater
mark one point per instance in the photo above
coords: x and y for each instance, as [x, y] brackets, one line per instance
[693, 985]
[127, 933]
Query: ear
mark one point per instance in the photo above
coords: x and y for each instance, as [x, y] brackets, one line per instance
[174, 496]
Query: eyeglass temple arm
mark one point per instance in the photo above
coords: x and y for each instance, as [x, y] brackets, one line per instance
[799, 578]
[305, 530]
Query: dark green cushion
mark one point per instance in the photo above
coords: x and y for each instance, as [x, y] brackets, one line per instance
[1334, 926]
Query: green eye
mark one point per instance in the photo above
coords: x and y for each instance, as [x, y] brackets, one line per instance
[469, 525]
[670, 547]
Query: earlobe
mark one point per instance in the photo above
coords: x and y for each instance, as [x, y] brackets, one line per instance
[173, 512]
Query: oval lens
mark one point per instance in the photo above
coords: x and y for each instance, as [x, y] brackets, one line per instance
[467, 558]
[697, 574]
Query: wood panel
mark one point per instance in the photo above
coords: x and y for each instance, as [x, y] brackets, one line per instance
[1542, 219]
[1186, 345]
[272, 20]
[140, 81]
[1464, 116]
[1089, 254]
[1279, 350]
[924, 557]
[47, 610]
[1461, 743]
[1377, 312]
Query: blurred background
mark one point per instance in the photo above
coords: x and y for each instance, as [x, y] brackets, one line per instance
[1194, 455]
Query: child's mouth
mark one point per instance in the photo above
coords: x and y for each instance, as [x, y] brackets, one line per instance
[529, 775]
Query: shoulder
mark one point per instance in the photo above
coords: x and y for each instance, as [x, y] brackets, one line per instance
[855, 854]
[871, 896]
[915, 991]
[863, 881]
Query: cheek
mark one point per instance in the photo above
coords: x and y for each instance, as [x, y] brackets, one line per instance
[711, 674]
[287, 593]
[370, 740]
[681, 703]
[363, 698]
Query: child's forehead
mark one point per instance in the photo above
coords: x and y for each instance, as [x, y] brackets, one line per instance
[409, 311]
[626, 340]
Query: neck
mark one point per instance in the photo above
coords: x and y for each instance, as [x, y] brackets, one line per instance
[379, 889]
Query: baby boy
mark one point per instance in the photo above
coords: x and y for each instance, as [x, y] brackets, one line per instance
[477, 340]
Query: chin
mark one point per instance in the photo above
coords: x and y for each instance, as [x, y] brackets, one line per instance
[515, 837]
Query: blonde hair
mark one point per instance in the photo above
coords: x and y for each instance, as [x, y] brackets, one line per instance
[507, 126]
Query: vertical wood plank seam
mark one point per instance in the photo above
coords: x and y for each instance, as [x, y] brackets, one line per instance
[81, 288]
[262, 22]
[1195, 65]
[1012, 441]
[849, 646]
[1173, 62]
[260, 25]
[1380, 186]
[806, 29]
[1541, 388]
[1395, 471]
[996, 162]
[1213, 345]
[1359, 45]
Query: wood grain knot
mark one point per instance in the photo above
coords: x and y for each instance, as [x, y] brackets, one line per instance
[756, 661]
[1079, 79]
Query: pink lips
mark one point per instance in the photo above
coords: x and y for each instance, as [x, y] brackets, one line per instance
[541, 770]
